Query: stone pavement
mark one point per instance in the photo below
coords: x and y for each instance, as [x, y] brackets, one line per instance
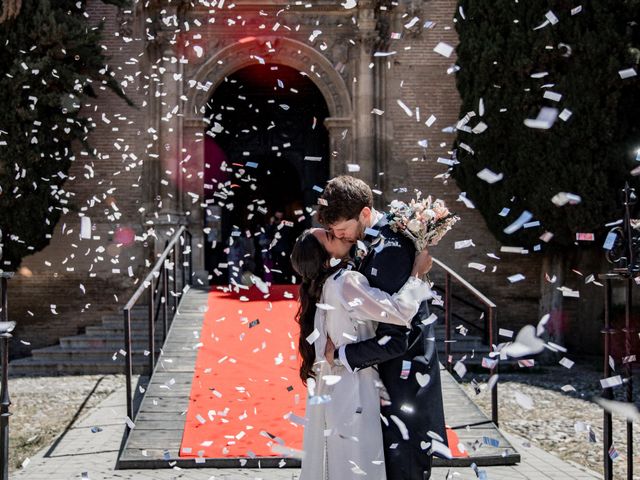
[83, 454]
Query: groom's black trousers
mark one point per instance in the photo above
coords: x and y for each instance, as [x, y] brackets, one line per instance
[402, 463]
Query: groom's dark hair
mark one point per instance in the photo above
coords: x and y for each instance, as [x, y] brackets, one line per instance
[343, 198]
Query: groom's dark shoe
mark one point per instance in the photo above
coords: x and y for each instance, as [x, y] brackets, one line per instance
[426, 475]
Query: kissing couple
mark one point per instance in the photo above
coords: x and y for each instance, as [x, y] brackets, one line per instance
[369, 358]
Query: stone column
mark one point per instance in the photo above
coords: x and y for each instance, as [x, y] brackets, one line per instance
[193, 144]
[364, 94]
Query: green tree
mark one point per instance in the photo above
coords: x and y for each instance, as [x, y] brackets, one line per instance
[509, 64]
[50, 59]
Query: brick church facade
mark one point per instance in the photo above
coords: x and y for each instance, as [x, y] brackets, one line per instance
[380, 89]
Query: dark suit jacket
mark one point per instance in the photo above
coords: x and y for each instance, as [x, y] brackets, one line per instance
[387, 266]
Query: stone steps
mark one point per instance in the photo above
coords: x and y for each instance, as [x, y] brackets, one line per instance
[93, 351]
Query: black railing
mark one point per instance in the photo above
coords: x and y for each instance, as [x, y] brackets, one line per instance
[490, 323]
[6, 327]
[623, 251]
[161, 298]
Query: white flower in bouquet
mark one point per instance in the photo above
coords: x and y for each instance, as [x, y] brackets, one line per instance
[424, 221]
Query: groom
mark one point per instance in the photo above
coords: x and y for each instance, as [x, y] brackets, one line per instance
[407, 360]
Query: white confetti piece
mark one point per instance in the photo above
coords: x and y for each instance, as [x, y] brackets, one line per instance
[443, 49]
[562, 198]
[129, 423]
[565, 114]
[460, 369]
[611, 381]
[545, 119]
[521, 220]
[325, 306]
[477, 266]
[503, 332]
[551, 17]
[313, 336]
[463, 244]
[331, 379]
[406, 109]
[524, 401]
[489, 176]
[430, 319]
[518, 277]
[85, 227]
[553, 96]
[627, 73]
[401, 426]
[620, 409]
[423, 379]
[565, 362]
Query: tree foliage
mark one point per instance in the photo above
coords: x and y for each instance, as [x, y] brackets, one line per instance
[590, 154]
[50, 60]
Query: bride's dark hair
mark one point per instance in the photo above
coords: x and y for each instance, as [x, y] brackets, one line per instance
[311, 261]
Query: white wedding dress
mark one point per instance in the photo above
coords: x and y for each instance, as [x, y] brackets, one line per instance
[343, 435]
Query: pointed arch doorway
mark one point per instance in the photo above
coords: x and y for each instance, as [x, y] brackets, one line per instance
[266, 156]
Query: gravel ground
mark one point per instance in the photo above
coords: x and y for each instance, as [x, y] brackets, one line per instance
[532, 405]
[43, 407]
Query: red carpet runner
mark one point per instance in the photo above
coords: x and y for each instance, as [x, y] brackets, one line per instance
[246, 380]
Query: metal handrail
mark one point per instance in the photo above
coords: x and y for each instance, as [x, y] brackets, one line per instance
[157, 283]
[490, 322]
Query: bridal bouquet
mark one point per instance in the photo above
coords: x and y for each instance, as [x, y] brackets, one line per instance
[424, 221]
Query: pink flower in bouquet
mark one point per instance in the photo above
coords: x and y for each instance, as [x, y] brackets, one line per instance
[424, 221]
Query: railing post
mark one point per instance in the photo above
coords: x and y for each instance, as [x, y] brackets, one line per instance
[5, 333]
[183, 268]
[190, 258]
[152, 332]
[128, 366]
[607, 393]
[174, 293]
[494, 370]
[628, 370]
[447, 321]
[164, 300]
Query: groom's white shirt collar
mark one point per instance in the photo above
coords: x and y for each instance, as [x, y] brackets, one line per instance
[375, 217]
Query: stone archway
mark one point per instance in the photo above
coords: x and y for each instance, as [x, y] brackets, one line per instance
[250, 51]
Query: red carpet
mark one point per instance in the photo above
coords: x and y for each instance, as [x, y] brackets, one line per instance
[246, 380]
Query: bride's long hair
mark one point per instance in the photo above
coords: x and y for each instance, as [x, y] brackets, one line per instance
[311, 261]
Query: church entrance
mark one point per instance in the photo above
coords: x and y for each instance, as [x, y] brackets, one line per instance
[266, 159]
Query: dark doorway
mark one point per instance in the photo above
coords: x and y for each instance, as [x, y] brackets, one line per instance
[266, 159]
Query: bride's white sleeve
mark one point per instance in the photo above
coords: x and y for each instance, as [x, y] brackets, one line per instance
[364, 302]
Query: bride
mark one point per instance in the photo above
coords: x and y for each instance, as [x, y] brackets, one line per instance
[343, 435]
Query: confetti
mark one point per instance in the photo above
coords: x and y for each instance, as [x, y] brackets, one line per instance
[627, 73]
[443, 49]
[489, 176]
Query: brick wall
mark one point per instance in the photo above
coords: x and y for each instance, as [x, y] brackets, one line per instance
[54, 276]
